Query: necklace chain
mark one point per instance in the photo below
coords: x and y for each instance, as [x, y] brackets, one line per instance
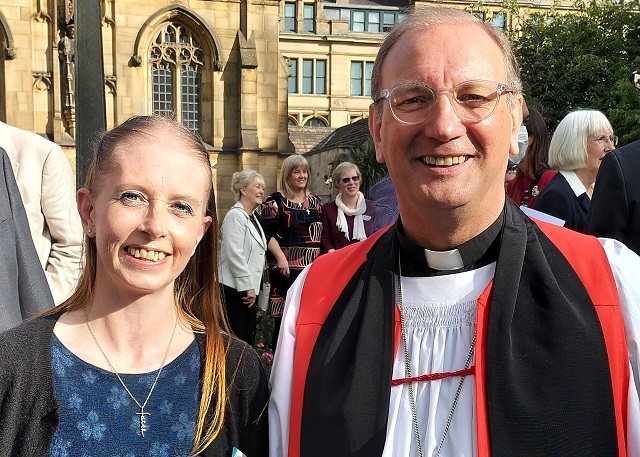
[143, 415]
[407, 369]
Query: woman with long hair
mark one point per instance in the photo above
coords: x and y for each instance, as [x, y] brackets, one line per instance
[527, 184]
[292, 222]
[139, 359]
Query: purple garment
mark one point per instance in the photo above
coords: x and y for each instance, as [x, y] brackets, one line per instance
[383, 203]
[332, 237]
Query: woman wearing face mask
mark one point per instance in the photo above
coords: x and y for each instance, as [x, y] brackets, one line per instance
[528, 181]
[347, 219]
[578, 145]
[523, 142]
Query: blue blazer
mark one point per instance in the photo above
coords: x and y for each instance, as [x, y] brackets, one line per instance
[24, 291]
[568, 202]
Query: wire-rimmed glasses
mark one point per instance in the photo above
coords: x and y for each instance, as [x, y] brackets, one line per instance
[603, 139]
[414, 102]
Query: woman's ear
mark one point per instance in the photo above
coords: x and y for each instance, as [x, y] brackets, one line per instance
[85, 209]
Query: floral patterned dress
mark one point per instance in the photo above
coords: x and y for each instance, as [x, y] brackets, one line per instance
[98, 418]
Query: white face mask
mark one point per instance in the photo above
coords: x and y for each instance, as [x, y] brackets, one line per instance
[523, 142]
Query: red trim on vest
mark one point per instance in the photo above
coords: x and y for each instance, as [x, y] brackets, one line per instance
[584, 253]
[482, 416]
[335, 268]
[588, 259]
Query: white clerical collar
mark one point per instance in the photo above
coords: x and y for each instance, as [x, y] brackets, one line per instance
[444, 260]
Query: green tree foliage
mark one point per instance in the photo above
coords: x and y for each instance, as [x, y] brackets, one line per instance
[365, 158]
[581, 59]
[625, 116]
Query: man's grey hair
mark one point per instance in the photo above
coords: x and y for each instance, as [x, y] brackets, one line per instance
[427, 17]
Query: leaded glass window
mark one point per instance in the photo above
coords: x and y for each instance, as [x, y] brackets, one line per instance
[176, 61]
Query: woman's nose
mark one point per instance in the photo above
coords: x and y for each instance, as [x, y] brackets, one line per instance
[155, 222]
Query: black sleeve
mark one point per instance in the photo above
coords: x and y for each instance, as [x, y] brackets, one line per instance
[249, 398]
[609, 211]
[25, 291]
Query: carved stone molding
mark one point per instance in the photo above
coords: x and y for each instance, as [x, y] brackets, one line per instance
[42, 80]
[9, 50]
[176, 44]
[111, 83]
[170, 14]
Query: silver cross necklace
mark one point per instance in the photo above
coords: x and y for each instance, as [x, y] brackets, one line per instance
[143, 415]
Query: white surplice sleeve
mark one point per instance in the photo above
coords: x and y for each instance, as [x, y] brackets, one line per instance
[282, 372]
[625, 265]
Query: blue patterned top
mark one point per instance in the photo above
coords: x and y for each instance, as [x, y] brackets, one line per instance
[98, 418]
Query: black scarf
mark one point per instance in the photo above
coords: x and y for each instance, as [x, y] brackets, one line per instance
[548, 384]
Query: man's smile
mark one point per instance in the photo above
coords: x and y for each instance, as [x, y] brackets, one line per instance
[444, 161]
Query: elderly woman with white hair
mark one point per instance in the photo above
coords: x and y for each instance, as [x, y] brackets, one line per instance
[578, 145]
[242, 254]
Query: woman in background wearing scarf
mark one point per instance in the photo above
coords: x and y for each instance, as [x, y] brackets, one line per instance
[347, 219]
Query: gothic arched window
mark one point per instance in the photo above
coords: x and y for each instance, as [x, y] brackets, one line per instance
[176, 61]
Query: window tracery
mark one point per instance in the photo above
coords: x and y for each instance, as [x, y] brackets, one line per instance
[176, 59]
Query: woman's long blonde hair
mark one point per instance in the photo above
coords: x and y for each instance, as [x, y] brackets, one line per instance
[196, 290]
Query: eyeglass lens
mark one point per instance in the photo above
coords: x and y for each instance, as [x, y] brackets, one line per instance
[612, 138]
[471, 100]
[353, 178]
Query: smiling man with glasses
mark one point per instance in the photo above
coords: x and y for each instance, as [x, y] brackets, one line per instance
[465, 329]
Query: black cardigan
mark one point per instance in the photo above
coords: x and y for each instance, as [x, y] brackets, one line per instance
[29, 410]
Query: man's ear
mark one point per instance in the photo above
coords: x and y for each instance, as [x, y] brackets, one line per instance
[516, 122]
[375, 123]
